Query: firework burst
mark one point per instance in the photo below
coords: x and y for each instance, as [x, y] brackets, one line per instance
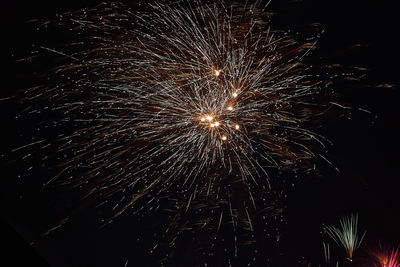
[182, 92]
[191, 101]
[388, 258]
[347, 235]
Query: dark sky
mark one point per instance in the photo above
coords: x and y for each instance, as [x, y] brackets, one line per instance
[366, 146]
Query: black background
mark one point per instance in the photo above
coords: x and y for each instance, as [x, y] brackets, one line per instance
[366, 146]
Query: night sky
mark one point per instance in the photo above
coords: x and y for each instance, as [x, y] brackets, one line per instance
[365, 149]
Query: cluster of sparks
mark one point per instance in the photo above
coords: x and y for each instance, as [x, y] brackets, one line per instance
[211, 122]
[184, 99]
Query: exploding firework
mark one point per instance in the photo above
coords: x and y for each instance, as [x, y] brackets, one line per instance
[388, 258]
[347, 235]
[188, 106]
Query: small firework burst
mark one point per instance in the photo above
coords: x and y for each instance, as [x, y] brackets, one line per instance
[347, 235]
[388, 258]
